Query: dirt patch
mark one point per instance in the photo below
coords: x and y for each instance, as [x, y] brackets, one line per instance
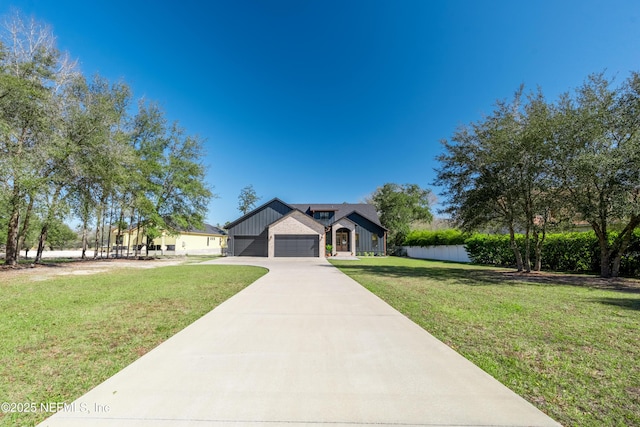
[40, 272]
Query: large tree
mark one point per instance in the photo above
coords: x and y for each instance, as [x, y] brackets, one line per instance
[32, 73]
[597, 161]
[399, 206]
[530, 163]
[495, 173]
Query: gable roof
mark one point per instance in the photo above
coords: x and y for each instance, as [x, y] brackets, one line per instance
[342, 210]
[253, 211]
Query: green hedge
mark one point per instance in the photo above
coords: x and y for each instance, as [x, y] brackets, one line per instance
[577, 252]
[424, 238]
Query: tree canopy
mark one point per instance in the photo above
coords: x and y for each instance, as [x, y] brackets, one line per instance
[531, 163]
[73, 144]
[399, 206]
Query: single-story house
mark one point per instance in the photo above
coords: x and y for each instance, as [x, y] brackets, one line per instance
[278, 229]
[206, 240]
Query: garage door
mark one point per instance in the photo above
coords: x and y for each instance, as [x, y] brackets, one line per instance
[250, 246]
[293, 245]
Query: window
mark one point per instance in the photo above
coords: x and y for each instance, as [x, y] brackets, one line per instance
[357, 240]
[374, 240]
[322, 215]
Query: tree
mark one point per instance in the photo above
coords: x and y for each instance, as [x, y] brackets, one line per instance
[494, 172]
[32, 73]
[247, 199]
[60, 235]
[479, 173]
[597, 161]
[399, 206]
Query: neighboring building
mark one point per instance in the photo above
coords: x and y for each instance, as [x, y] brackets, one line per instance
[278, 229]
[208, 240]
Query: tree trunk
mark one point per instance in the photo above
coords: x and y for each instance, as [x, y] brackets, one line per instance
[41, 242]
[138, 239]
[110, 228]
[85, 242]
[104, 214]
[515, 248]
[129, 233]
[11, 256]
[22, 233]
[118, 244]
[605, 261]
[538, 250]
[527, 251]
[98, 219]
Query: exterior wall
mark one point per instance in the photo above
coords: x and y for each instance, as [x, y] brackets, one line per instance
[455, 253]
[296, 224]
[181, 244]
[365, 230]
[256, 223]
[199, 244]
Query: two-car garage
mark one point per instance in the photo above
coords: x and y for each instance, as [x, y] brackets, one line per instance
[295, 234]
[285, 245]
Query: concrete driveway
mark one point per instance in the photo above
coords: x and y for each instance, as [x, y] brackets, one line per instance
[304, 345]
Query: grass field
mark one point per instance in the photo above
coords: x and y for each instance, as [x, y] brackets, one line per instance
[64, 335]
[570, 349]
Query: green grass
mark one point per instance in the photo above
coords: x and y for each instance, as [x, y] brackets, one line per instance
[65, 335]
[571, 350]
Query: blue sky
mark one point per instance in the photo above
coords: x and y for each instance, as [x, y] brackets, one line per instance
[324, 101]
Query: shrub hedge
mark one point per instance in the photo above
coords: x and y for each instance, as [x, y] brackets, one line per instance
[576, 252]
[425, 238]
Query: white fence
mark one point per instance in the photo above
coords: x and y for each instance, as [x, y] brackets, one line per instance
[455, 253]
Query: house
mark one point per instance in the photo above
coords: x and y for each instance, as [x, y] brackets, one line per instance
[206, 240]
[278, 229]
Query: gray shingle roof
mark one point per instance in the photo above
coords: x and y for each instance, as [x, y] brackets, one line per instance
[207, 229]
[341, 209]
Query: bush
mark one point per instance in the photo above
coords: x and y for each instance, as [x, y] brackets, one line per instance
[491, 249]
[425, 238]
[577, 252]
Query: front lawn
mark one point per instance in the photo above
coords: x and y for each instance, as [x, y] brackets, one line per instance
[63, 336]
[562, 342]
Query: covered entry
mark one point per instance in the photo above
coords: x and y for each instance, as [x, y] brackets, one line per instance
[342, 240]
[297, 245]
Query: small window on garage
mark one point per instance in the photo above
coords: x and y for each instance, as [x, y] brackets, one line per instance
[374, 240]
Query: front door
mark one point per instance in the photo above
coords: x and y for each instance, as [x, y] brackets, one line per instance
[342, 241]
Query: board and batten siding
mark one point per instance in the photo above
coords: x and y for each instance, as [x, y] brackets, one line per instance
[255, 224]
[365, 230]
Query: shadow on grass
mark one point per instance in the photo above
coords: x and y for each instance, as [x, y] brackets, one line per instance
[471, 277]
[483, 277]
[629, 303]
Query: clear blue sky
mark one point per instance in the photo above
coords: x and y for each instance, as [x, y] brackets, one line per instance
[323, 101]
